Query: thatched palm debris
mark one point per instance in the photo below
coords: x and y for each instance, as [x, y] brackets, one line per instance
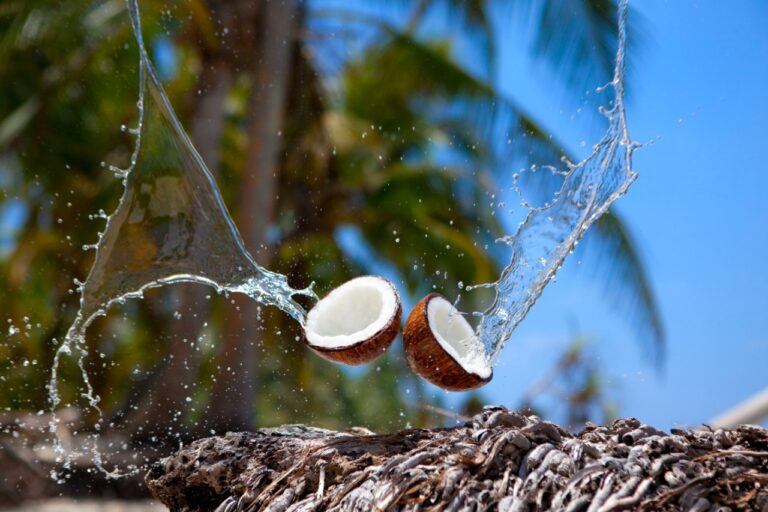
[499, 460]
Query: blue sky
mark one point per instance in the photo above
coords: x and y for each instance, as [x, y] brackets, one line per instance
[698, 210]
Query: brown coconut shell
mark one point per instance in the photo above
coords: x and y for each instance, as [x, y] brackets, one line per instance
[366, 350]
[429, 360]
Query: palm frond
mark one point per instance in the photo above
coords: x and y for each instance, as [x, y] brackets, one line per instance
[622, 271]
[432, 85]
[460, 102]
[469, 22]
[577, 38]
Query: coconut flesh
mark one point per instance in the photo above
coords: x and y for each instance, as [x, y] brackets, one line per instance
[363, 313]
[456, 336]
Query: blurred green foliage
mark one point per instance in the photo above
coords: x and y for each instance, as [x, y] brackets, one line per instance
[389, 140]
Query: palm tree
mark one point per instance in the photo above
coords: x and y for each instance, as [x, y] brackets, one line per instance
[394, 148]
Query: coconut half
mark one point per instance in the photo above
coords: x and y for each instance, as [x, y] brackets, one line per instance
[441, 346]
[355, 322]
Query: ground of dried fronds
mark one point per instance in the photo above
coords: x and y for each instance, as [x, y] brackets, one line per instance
[499, 460]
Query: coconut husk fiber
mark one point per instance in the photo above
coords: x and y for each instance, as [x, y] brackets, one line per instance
[500, 460]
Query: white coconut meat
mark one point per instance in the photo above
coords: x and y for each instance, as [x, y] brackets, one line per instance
[456, 336]
[354, 312]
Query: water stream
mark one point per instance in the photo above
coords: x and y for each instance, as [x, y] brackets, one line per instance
[170, 226]
[551, 232]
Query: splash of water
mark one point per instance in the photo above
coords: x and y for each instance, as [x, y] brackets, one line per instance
[550, 232]
[170, 226]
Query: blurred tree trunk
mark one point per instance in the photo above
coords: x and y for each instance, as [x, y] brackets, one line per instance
[261, 41]
[232, 403]
[163, 400]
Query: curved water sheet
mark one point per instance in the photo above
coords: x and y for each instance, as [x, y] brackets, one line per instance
[550, 232]
[170, 226]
